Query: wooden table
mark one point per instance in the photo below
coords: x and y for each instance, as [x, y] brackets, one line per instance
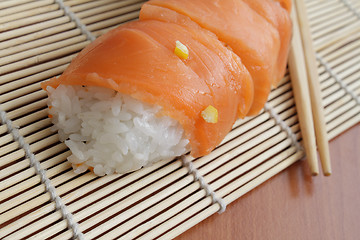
[294, 205]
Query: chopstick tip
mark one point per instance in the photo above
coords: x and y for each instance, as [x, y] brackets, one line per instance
[314, 173]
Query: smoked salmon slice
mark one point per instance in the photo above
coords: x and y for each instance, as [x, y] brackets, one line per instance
[280, 19]
[138, 59]
[249, 35]
[286, 4]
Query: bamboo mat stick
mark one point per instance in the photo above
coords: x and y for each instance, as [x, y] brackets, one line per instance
[30, 20]
[344, 126]
[12, 188]
[342, 118]
[251, 154]
[9, 148]
[337, 25]
[122, 6]
[337, 105]
[30, 183]
[43, 57]
[93, 5]
[32, 97]
[251, 144]
[314, 87]
[10, 86]
[19, 6]
[340, 44]
[39, 42]
[14, 168]
[279, 90]
[8, 4]
[34, 28]
[113, 13]
[78, 2]
[323, 19]
[286, 95]
[113, 21]
[332, 23]
[20, 153]
[152, 178]
[20, 92]
[144, 217]
[31, 138]
[23, 177]
[159, 202]
[35, 69]
[341, 110]
[301, 89]
[42, 49]
[326, 78]
[332, 38]
[180, 183]
[29, 13]
[4, 160]
[311, 4]
[322, 9]
[38, 112]
[265, 159]
[39, 36]
[338, 94]
[103, 31]
[187, 212]
[101, 182]
[336, 88]
[26, 130]
[348, 51]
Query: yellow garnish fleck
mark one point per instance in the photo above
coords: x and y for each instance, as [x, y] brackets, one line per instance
[181, 50]
[210, 114]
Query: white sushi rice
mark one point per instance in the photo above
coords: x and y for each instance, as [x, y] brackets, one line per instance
[112, 132]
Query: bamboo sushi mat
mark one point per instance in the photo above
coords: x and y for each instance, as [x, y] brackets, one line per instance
[41, 197]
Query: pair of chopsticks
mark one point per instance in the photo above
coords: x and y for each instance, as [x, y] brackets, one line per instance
[307, 93]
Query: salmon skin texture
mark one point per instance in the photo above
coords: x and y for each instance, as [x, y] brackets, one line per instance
[237, 51]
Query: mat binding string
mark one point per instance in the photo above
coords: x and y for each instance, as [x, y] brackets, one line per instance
[72, 224]
[337, 79]
[77, 21]
[283, 126]
[204, 185]
[348, 5]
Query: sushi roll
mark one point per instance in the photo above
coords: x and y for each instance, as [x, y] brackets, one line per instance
[154, 89]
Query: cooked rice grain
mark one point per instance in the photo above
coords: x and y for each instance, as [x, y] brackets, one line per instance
[112, 132]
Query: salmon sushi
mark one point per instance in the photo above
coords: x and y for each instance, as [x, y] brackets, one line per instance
[163, 86]
[128, 100]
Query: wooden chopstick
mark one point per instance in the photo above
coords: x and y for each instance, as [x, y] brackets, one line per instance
[314, 87]
[299, 81]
